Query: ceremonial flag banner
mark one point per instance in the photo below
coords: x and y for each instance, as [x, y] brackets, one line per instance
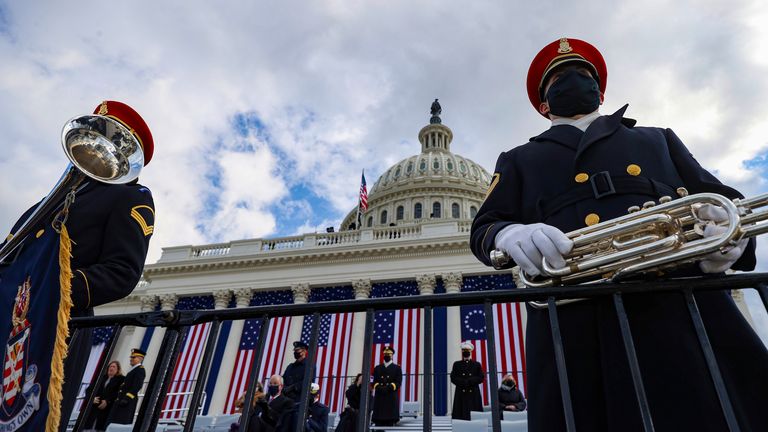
[187, 365]
[332, 346]
[35, 300]
[508, 324]
[400, 329]
[274, 350]
[362, 204]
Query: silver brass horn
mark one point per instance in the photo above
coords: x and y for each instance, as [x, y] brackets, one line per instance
[98, 147]
[655, 239]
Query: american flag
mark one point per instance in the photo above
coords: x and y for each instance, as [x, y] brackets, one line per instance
[272, 360]
[401, 330]
[101, 337]
[332, 346]
[187, 365]
[508, 324]
[362, 206]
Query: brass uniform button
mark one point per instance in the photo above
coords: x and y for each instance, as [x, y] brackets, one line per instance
[633, 170]
[591, 219]
[39, 233]
[581, 177]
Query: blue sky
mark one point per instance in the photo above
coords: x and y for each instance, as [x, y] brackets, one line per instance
[264, 113]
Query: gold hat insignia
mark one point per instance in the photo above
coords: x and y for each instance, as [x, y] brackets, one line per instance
[103, 108]
[565, 47]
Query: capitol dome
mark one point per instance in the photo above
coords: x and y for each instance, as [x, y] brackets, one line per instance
[432, 185]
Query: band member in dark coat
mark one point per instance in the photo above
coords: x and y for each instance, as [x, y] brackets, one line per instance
[128, 396]
[466, 375]
[279, 413]
[317, 413]
[586, 168]
[348, 418]
[510, 397]
[110, 226]
[294, 372]
[104, 397]
[387, 377]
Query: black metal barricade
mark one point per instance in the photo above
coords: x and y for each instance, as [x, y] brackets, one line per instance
[177, 324]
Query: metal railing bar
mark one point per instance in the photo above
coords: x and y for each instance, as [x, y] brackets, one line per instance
[634, 365]
[101, 371]
[427, 420]
[363, 424]
[490, 334]
[261, 343]
[191, 317]
[709, 356]
[162, 374]
[562, 373]
[202, 376]
[309, 374]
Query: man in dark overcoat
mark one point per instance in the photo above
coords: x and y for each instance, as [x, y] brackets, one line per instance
[589, 167]
[387, 377]
[124, 407]
[466, 375]
[293, 378]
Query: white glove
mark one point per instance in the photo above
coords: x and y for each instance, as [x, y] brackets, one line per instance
[718, 261]
[527, 244]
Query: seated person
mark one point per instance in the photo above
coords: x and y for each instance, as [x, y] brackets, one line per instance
[317, 413]
[510, 397]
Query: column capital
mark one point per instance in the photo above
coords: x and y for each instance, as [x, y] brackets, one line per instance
[221, 298]
[168, 301]
[148, 302]
[452, 282]
[362, 288]
[243, 296]
[426, 283]
[300, 293]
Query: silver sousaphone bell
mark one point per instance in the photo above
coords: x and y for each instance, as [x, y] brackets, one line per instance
[99, 147]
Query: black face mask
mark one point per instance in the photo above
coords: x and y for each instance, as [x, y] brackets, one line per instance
[510, 384]
[273, 390]
[296, 355]
[466, 354]
[573, 94]
[387, 358]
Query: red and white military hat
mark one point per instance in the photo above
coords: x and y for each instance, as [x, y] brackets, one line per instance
[131, 120]
[558, 53]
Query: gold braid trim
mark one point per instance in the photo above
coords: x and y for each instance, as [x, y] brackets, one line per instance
[62, 333]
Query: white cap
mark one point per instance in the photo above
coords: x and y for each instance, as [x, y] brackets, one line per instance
[467, 346]
[314, 388]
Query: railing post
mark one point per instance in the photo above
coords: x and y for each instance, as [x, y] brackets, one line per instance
[709, 356]
[149, 413]
[86, 407]
[308, 373]
[253, 375]
[634, 366]
[490, 333]
[562, 373]
[427, 426]
[202, 376]
[365, 385]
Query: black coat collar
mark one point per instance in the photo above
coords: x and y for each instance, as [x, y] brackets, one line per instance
[578, 141]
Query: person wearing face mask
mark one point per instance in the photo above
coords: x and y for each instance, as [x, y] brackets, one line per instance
[585, 168]
[387, 377]
[317, 413]
[277, 412]
[348, 418]
[466, 375]
[294, 372]
[510, 397]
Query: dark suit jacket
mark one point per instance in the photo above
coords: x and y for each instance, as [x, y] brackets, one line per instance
[107, 392]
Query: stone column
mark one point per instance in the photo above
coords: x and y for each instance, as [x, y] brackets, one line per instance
[219, 396]
[452, 282]
[132, 336]
[167, 302]
[738, 298]
[362, 289]
[426, 284]
[300, 296]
